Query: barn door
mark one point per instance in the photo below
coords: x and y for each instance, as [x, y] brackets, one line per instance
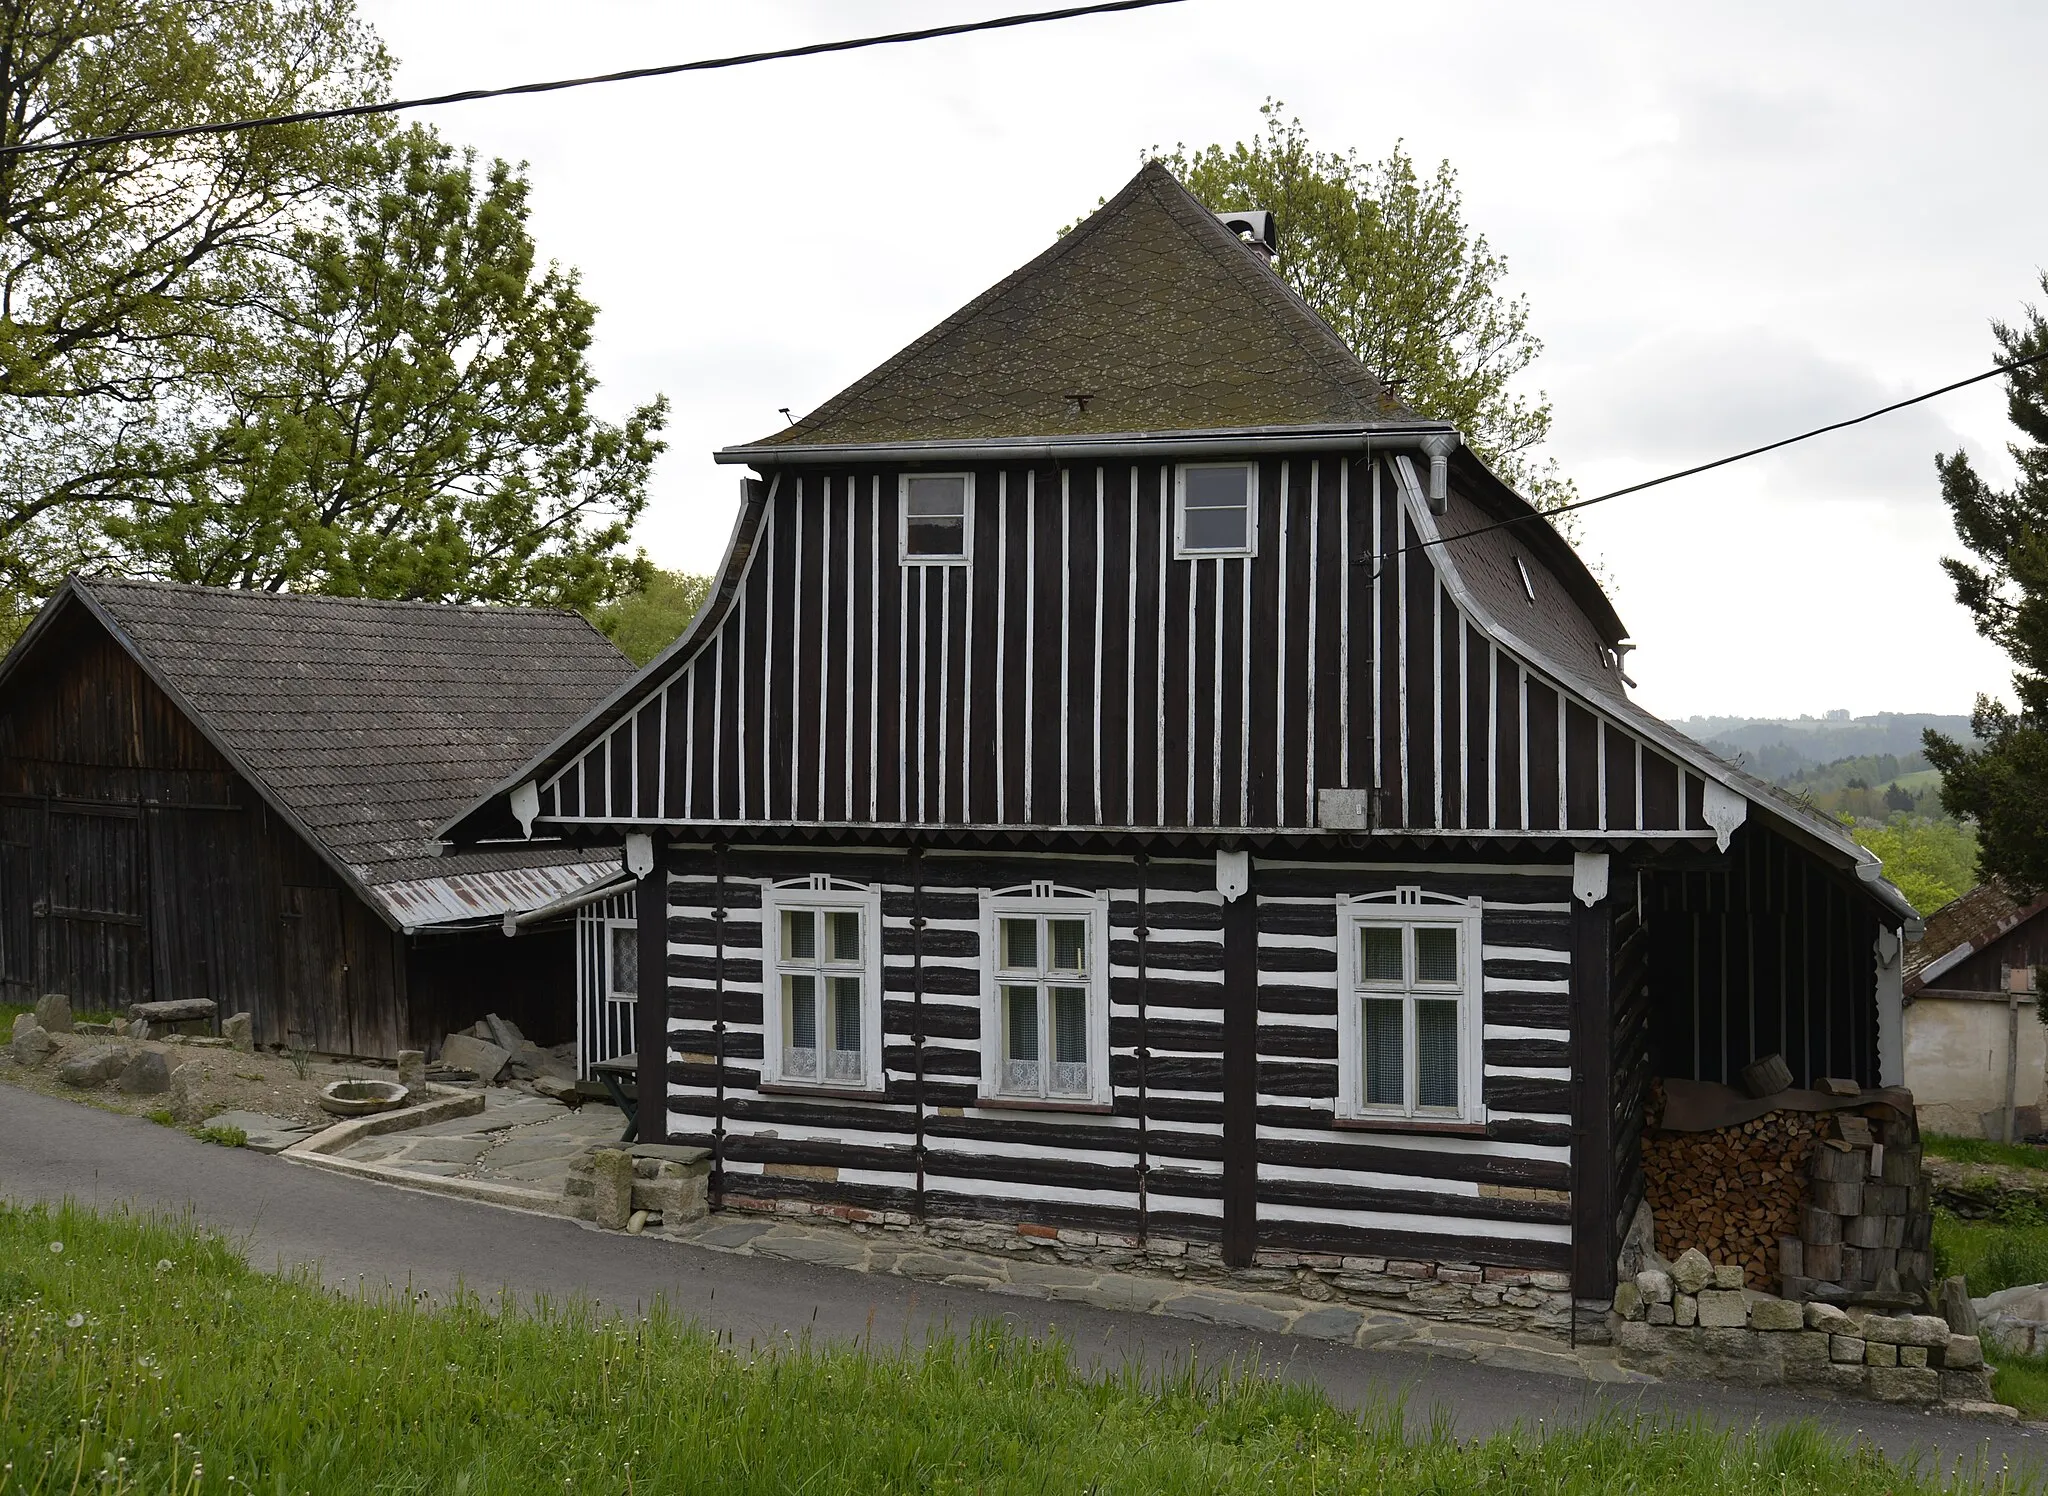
[17, 893]
[94, 934]
[314, 972]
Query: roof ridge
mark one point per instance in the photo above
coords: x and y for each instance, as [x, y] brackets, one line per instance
[319, 599]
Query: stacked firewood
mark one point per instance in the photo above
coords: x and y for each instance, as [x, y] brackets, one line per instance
[1731, 1192]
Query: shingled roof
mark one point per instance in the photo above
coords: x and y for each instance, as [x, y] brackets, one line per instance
[1966, 924]
[369, 723]
[1150, 309]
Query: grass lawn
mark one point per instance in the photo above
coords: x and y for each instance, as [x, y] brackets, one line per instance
[1992, 1255]
[10, 1011]
[141, 1356]
[1983, 1151]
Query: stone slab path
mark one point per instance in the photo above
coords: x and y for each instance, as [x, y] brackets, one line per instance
[517, 1140]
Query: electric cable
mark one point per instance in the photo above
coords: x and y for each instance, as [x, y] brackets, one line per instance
[1720, 462]
[701, 65]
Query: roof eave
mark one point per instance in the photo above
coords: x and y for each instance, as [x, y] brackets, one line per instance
[1321, 437]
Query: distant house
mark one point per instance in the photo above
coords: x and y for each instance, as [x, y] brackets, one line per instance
[1970, 1015]
[1134, 780]
[230, 795]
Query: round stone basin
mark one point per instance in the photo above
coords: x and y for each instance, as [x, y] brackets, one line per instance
[359, 1098]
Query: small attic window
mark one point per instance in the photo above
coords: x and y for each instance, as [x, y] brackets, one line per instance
[1528, 587]
[934, 513]
[1213, 516]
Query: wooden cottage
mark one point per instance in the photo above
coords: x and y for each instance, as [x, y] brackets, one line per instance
[1976, 1059]
[1136, 781]
[229, 795]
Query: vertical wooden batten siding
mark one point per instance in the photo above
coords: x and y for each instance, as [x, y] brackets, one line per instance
[1076, 673]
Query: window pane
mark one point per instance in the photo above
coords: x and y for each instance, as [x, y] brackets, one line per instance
[1436, 1054]
[1379, 953]
[1020, 944]
[1069, 944]
[1070, 1025]
[799, 935]
[846, 1013]
[625, 961]
[799, 1027]
[1384, 1084]
[845, 931]
[1212, 530]
[1020, 1055]
[1216, 487]
[935, 522]
[1436, 953]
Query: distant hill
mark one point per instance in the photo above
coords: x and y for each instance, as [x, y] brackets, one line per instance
[1781, 748]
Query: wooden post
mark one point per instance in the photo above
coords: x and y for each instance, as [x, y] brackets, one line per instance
[650, 1011]
[1593, 1182]
[1240, 1079]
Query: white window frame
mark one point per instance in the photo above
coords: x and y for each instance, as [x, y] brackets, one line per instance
[1040, 900]
[1408, 907]
[612, 991]
[903, 556]
[822, 894]
[1181, 550]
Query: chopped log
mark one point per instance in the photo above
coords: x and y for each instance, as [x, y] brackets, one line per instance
[1766, 1077]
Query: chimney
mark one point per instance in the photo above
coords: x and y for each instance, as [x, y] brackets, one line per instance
[1255, 227]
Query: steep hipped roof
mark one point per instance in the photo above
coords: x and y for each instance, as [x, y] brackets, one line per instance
[1963, 926]
[368, 723]
[1150, 308]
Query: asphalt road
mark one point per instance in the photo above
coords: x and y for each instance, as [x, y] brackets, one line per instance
[288, 1215]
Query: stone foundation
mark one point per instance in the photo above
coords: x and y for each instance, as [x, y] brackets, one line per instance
[669, 1183]
[1697, 1321]
[1530, 1301]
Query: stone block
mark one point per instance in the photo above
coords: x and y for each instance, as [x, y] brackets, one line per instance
[1912, 1355]
[1847, 1349]
[145, 1075]
[677, 1198]
[1655, 1285]
[239, 1029]
[1805, 1353]
[1924, 1330]
[1905, 1384]
[1880, 1353]
[1884, 1329]
[1692, 1271]
[1828, 1317]
[465, 1052]
[412, 1069]
[1660, 1314]
[1685, 1310]
[1411, 1270]
[92, 1067]
[1965, 1384]
[1722, 1309]
[1845, 1381]
[1330, 1322]
[612, 1177]
[1628, 1301]
[1963, 1351]
[1776, 1314]
[53, 1013]
[1728, 1275]
[184, 1104]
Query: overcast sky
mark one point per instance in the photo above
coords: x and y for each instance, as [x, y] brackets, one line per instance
[1731, 222]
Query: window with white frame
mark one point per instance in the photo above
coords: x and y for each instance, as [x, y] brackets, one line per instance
[822, 1014]
[1409, 1029]
[1045, 1023]
[622, 964]
[1215, 509]
[935, 523]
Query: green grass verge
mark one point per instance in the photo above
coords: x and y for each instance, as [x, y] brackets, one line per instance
[1992, 1255]
[146, 1357]
[1983, 1151]
[10, 1011]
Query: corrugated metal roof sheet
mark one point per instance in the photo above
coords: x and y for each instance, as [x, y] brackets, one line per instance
[486, 895]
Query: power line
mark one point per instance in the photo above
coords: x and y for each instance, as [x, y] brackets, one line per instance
[1719, 462]
[702, 65]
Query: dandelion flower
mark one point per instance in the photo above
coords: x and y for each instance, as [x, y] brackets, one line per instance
[75, 1321]
[163, 1264]
[56, 1246]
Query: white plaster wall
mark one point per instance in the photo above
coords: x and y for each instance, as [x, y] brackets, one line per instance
[1955, 1061]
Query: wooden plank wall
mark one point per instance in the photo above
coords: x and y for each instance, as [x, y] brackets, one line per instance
[1768, 955]
[1155, 1165]
[1078, 674]
[1629, 1006]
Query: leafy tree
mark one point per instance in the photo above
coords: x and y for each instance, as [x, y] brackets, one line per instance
[645, 622]
[1931, 861]
[1387, 259]
[2003, 784]
[131, 275]
[420, 425]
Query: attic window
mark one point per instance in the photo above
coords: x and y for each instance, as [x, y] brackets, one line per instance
[934, 510]
[1214, 513]
[1528, 587]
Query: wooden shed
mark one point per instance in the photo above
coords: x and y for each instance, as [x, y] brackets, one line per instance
[231, 795]
[1976, 1056]
[1136, 782]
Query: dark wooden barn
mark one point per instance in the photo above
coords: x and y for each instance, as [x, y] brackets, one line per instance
[1135, 779]
[230, 795]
